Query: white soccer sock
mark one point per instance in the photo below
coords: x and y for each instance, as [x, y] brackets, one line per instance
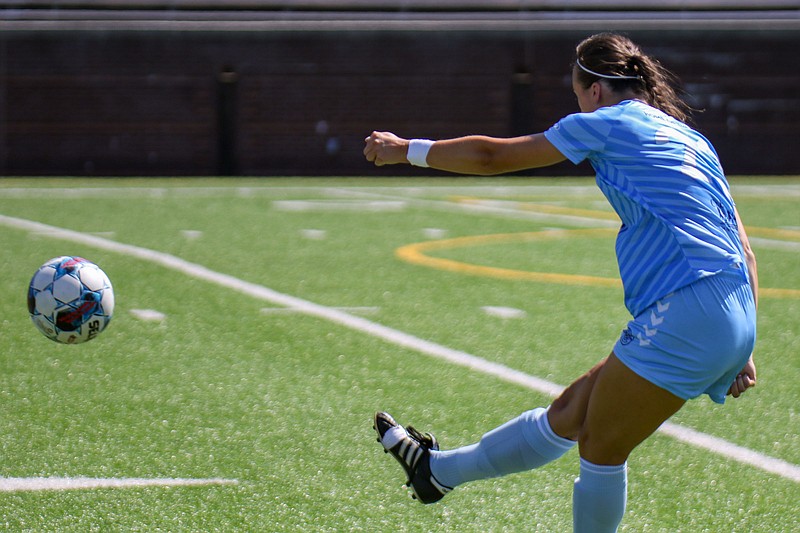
[524, 443]
[599, 498]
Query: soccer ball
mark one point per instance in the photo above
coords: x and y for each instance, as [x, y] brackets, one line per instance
[70, 300]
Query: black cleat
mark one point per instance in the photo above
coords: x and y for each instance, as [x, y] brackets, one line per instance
[412, 451]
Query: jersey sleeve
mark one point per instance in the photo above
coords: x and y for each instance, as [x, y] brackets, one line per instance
[579, 135]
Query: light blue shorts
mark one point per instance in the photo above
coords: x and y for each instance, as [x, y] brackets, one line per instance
[695, 340]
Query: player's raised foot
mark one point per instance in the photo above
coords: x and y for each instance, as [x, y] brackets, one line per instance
[412, 450]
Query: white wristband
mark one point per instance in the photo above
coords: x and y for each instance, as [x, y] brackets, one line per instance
[418, 152]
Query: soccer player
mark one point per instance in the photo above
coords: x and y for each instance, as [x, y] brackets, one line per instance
[688, 273]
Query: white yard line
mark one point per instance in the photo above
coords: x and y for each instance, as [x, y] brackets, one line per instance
[361, 310]
[767, 190]
[504, 211]
[345, 192]
[339, 205]
[148, 315]
[18, 484]
[789, 246]
[399, 338]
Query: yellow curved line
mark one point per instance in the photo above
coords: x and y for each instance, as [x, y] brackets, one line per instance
[773, 233]
[416, 254]
[778, 293]
[506, 273]
[499, 238]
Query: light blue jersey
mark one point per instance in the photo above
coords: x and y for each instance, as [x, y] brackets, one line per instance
[665, 182]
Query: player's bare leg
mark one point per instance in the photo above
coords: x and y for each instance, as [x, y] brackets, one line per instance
[623, 409]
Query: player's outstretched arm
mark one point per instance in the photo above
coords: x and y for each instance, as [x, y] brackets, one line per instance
[474, 154]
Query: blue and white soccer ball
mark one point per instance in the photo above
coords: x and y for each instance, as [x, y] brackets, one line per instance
[70, 300]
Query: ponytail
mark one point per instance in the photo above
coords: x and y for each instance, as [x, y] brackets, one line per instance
[620, 62]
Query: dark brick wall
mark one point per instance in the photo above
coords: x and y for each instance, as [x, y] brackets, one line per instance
[160, 103]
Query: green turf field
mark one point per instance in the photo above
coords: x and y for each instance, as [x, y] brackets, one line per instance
[294, 308]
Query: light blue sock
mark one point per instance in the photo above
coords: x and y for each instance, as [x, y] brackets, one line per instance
[599, 498]
[525, 443]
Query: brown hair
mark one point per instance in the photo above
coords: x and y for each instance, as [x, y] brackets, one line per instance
[612, 54]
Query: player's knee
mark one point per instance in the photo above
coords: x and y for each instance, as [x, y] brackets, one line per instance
[603, 448]
[565, 417]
